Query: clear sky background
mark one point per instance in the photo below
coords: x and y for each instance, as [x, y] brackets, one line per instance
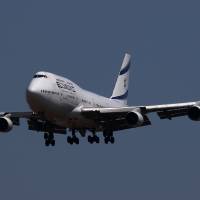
[86, 41]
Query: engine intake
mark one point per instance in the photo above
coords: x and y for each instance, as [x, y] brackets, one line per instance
[6, 124]
[194, 113]
[135, 118]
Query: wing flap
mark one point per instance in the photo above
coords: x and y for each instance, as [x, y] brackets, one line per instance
[169, 114]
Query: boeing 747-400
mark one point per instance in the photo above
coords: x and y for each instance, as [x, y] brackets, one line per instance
[59, 106]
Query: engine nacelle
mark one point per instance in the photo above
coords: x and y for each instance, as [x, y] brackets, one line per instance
[194, 113]
[135, 118]
[6, 124]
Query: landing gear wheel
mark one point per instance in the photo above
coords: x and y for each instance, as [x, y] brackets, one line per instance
[90, 139]
[112, 140]
[47, 142]
[53, 143]
[108, 136]
[73, 139]
[76, 140]
[70, 140]
[49, 139]
[97, 140]
[106, 140]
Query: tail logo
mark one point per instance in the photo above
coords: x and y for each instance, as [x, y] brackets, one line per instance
[125, 83]
[125, 70]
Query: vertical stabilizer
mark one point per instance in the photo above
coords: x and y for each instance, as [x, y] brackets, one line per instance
[120, 92]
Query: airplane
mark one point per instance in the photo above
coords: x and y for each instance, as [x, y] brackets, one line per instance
[59, 106]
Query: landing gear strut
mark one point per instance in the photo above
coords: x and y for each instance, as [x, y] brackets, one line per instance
[73, 139]
[94, 138]
[49, 139]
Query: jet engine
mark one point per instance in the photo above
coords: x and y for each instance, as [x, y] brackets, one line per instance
[194, 113]
[135, 118]
[6, 124]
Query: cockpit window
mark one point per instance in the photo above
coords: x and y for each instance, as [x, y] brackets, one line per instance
[40, 76]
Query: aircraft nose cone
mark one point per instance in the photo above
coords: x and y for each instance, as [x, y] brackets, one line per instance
[33, 92]
[32, 89]
[34, 97]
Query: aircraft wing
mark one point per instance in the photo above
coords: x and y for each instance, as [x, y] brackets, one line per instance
[169, 111]
[117, 117]
[15, 116]
[36, 122]
[113, 118]
[18, 114]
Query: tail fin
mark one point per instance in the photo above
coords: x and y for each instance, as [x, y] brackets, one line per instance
[120, 91]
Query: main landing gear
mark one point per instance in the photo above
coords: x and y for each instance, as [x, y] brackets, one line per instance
[73, 139]
[49, 139]
[94, 138]
[108, 137]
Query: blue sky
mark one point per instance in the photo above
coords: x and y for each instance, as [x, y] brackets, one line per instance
[86, 41]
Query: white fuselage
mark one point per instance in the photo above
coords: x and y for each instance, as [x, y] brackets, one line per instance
[60, 100]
